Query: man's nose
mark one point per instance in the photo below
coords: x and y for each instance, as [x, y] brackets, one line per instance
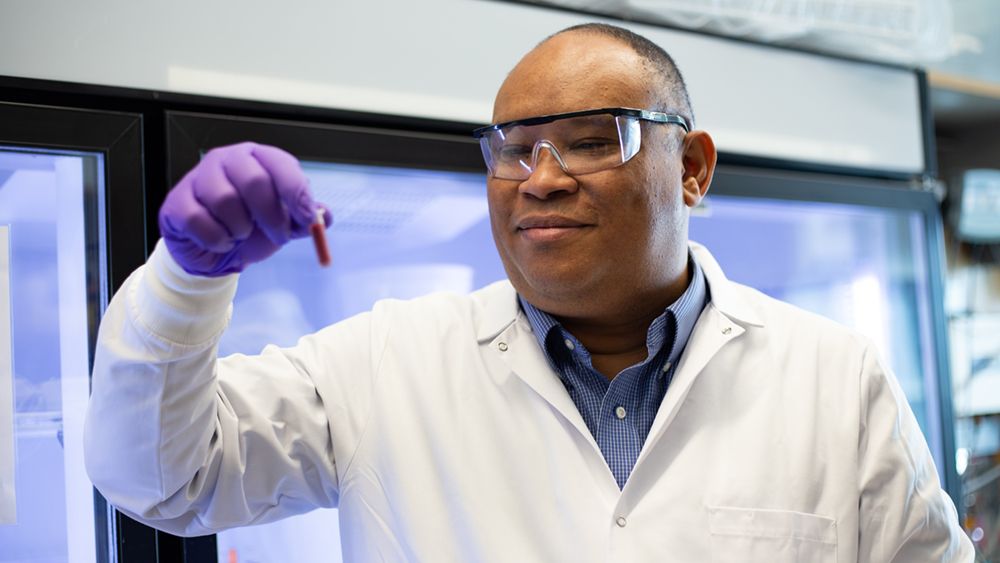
[548, 177]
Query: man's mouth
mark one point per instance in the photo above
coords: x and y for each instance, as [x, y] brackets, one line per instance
[545, 228]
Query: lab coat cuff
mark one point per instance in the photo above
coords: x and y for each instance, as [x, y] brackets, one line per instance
[181, 307]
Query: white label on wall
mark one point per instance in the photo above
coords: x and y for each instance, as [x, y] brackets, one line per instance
[8, 508]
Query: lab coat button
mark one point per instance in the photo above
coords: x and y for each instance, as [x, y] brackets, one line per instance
[621, 521]
[727, 330]
[502, 346]
[620, 412]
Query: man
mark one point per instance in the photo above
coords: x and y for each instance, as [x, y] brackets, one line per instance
[617, 400]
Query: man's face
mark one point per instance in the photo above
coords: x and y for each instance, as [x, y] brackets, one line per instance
[573, 244]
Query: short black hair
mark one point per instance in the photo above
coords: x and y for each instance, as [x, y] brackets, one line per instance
[676, 99]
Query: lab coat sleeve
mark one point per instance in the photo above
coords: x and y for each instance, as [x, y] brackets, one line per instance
[905, 516]
[191, 444]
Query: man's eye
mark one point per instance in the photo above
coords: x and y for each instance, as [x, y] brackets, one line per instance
[594, 146]
[514, 152]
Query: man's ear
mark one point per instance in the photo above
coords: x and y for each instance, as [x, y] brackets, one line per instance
[699, 164]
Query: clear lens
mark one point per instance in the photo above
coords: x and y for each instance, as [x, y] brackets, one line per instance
[582, 144]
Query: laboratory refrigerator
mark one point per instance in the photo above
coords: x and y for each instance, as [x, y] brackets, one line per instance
[411, 217]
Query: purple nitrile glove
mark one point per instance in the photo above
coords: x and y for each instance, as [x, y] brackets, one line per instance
[238, 206]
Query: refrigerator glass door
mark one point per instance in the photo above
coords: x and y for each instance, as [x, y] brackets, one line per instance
[49, 212]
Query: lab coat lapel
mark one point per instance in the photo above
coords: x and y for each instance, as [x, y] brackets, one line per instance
[712, 331]
[520, 351]
[722, 321]
[506, 333]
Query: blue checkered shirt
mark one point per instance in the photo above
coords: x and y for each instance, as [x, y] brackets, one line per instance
[620, 412]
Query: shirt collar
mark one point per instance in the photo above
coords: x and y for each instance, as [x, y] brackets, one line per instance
[497, 306]
[688, 308]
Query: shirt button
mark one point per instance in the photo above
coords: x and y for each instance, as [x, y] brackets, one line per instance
[621, 521]
[620, 412]
[666, 367]
[569, 344]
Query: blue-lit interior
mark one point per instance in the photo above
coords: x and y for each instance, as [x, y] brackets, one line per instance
[42, 204]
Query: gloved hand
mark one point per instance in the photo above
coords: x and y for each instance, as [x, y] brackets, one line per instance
[238, 206]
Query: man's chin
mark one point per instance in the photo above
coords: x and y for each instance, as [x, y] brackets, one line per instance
[556, 292]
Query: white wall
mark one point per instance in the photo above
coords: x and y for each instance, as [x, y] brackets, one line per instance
[445, 59]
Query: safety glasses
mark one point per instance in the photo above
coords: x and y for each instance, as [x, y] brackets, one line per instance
[581, 142]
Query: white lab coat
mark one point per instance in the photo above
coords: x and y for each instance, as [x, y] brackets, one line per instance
[439, 429]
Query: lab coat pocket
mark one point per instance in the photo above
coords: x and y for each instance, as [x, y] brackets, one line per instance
[749, 535]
